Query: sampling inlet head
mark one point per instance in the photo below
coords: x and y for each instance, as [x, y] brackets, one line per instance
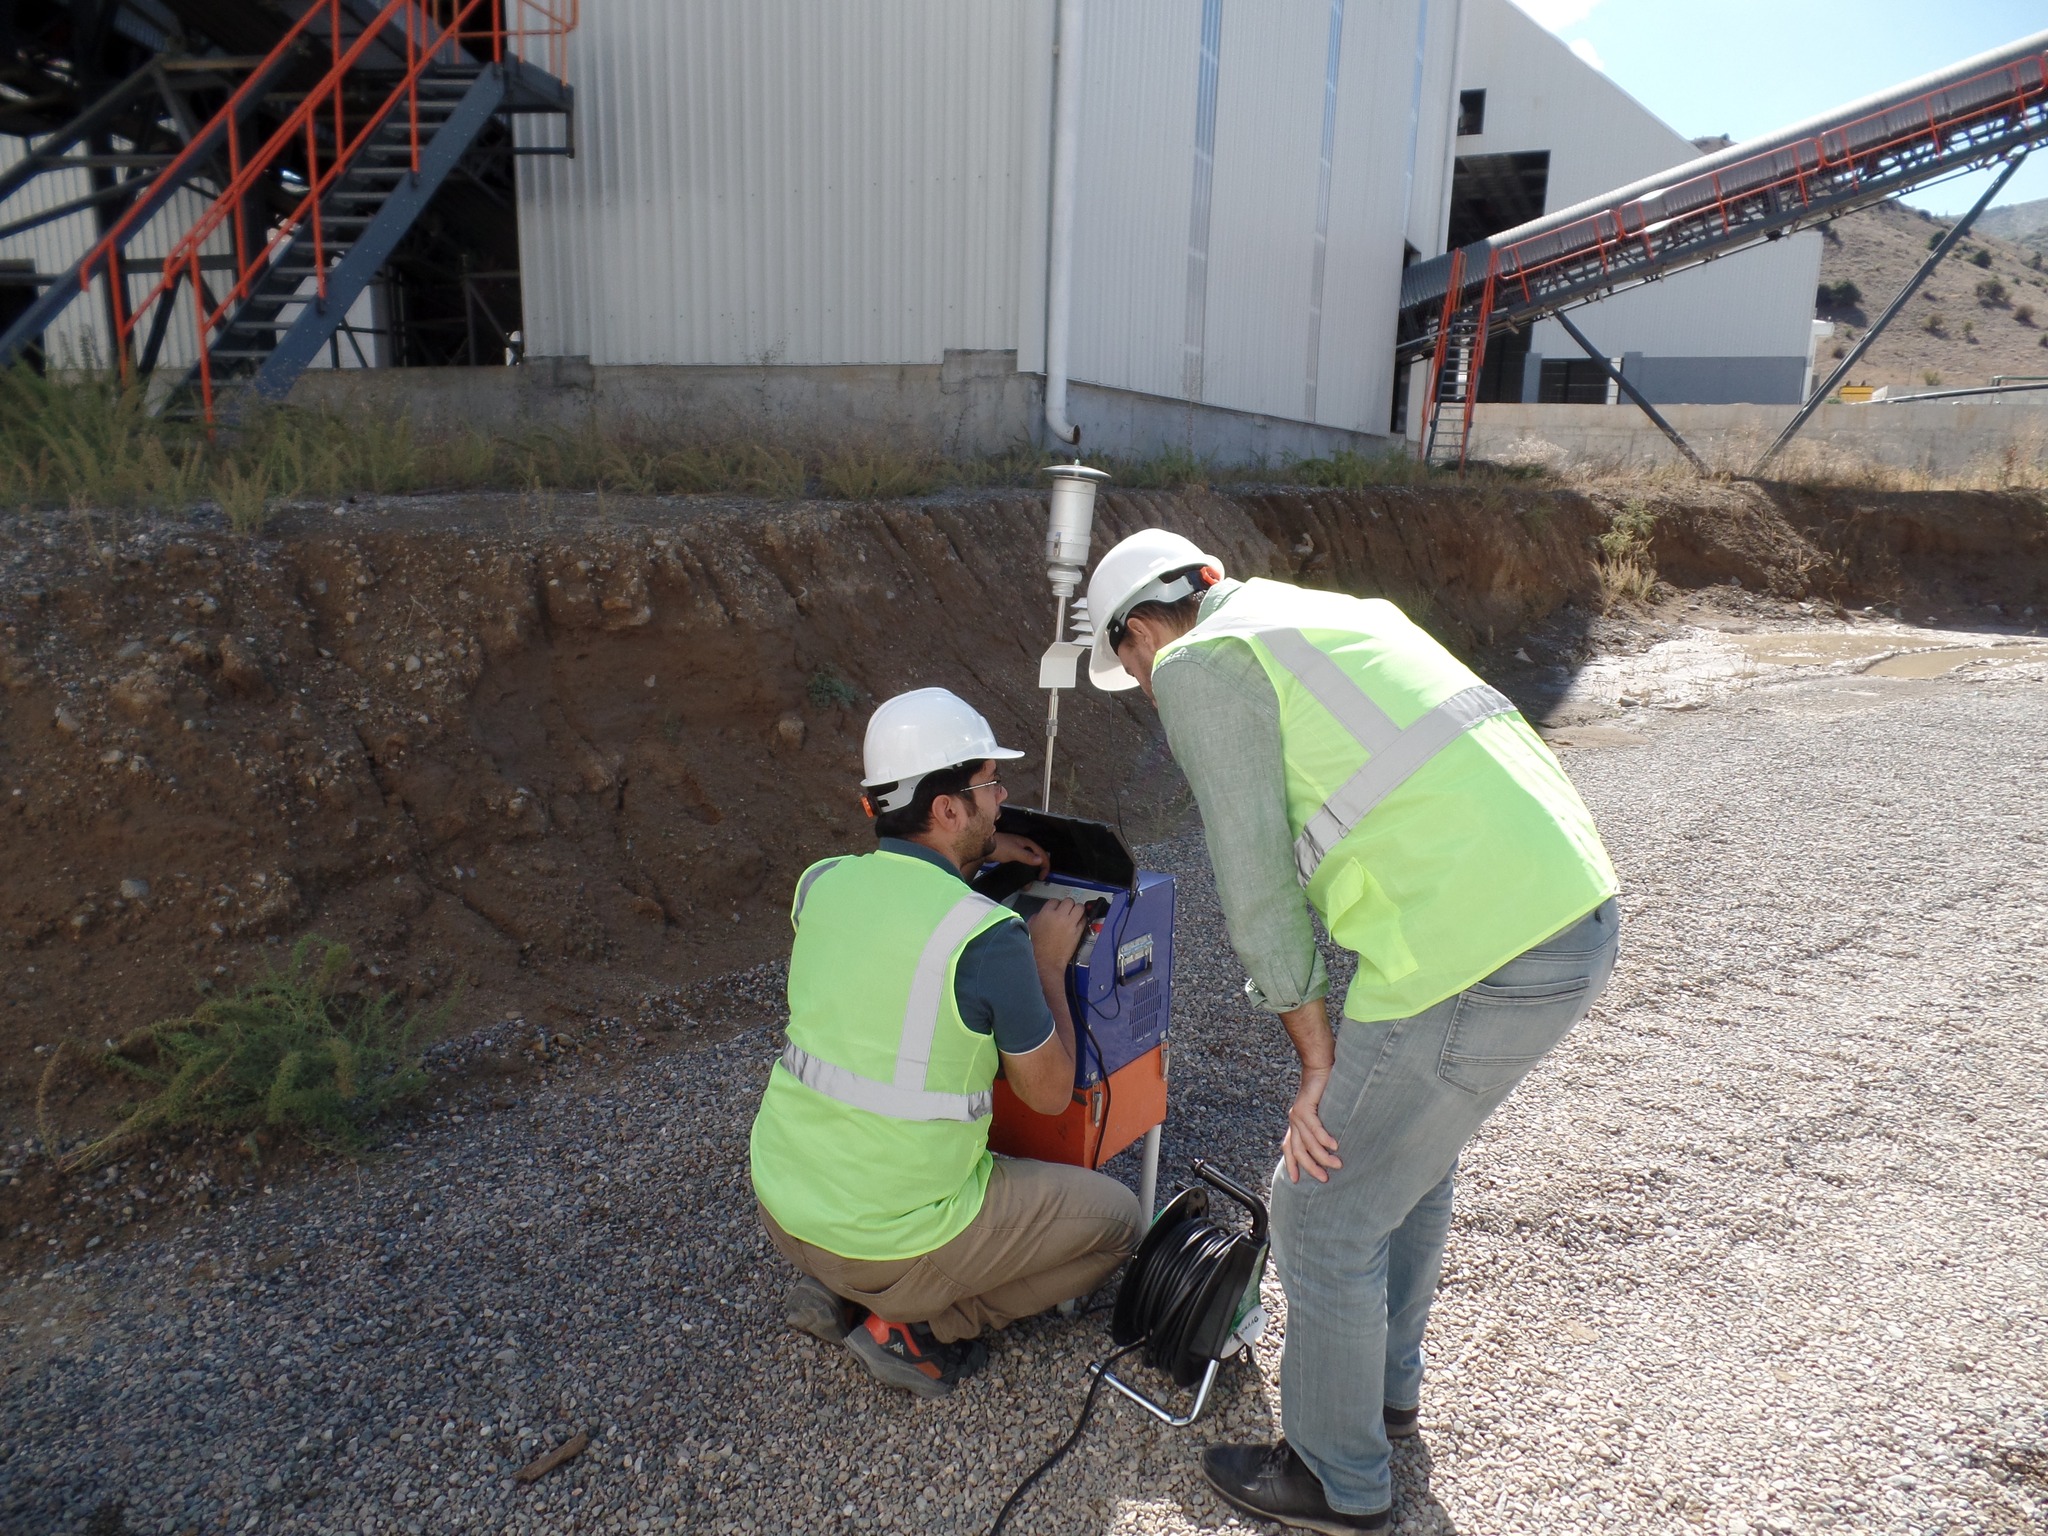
[1069, 524]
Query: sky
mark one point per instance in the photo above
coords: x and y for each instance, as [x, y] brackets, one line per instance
[1745, 67]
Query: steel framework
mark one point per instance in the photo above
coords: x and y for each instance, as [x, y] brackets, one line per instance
[316, 204]
[1982, 111]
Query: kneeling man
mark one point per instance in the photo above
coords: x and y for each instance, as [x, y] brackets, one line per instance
[906, 991]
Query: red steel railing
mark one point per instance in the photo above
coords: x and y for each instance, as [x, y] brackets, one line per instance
[433, 31]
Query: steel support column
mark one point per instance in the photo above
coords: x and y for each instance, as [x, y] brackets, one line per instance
[1627, 388]
[1946, 244]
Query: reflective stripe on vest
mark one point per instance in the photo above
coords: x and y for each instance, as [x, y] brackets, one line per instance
[906, 1098]
[1395, 754]
[803, 887]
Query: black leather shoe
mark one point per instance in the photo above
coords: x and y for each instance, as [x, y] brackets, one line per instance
[1270, 1481]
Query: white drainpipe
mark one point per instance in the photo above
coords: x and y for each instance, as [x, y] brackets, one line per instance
[1059, 277]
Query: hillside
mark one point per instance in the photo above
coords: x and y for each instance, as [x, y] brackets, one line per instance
[1983, 312]
[2022, 223]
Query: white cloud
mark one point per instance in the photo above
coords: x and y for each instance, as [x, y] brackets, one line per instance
[1583, 47]
[1558, 14]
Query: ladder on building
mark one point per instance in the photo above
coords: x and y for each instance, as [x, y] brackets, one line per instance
[294, 228]
[1983, 112]
[1454, 375]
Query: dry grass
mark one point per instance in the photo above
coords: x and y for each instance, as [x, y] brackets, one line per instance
[84, 442]
[1626, 572]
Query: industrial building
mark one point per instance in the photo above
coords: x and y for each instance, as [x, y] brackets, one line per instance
[1237, 231]
[1539, 129]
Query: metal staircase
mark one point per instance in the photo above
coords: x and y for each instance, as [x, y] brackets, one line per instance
[1454, 382]
[1985, 111]
[304, 221]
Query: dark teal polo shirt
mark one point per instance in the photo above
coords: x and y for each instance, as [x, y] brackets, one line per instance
[995, 985]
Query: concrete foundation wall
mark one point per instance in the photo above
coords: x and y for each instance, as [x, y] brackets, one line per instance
[974, 403]
[1941, 438]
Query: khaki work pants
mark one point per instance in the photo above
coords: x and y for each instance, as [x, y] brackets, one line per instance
[1046, 1232]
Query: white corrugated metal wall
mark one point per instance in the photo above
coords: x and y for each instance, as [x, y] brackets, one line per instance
[1132, 245]
[779, 181]
[865, 183]
[1204, 201]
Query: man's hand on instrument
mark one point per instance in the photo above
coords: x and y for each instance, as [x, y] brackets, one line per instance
[1307, 1147]
[1056, 934]
[1012, 849]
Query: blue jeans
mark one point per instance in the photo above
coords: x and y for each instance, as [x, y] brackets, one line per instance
[1359, 1256]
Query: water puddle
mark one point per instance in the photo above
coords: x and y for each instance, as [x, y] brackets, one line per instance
[1941, 663]
[1887, 653]
[1700, 665]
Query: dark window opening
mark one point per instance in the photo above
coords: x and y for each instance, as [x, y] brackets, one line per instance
[1471, 113]
[1500, 374]
[1397, 422]
[1490, 193]
[18, 290]
[1571, 381]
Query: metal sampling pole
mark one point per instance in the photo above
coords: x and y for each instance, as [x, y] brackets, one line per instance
[1069, 524]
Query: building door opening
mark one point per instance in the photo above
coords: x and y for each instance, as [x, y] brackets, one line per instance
[18, 290]
[1490, 193]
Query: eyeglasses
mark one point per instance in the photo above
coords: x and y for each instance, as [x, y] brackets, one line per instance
[995, 783]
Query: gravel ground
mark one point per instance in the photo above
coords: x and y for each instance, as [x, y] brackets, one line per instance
[1762, 1249]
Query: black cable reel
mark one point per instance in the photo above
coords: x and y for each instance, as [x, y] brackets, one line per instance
[1189, 1300]
[1191, 1294]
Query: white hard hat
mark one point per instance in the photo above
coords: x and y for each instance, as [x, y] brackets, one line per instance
[1131, 574]
[920, 732]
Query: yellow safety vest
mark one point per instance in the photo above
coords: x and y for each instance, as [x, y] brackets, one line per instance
[1434, 832]
[872, 1137]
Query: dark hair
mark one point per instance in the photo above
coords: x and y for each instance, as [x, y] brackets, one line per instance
[1180, 617]
[916, 817]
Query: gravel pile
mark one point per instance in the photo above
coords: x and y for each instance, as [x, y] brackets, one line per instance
[1762, 1250]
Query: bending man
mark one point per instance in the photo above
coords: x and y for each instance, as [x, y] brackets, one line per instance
[870, 1151]
[1339, 753]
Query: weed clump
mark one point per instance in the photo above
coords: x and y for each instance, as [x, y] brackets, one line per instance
[291, 1053]
[828, 690]
[1626, 572]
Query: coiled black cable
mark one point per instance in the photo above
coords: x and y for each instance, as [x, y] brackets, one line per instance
[1172, 1287]
[1168, 1287]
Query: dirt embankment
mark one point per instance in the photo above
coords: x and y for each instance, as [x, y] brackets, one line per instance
[573, 757]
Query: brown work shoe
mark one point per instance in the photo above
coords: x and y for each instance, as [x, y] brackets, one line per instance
[810, 1307]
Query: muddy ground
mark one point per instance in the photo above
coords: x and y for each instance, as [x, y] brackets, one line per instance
[556, 762]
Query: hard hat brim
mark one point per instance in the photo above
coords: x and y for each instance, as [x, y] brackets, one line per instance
[1104, 670]
[994, 755]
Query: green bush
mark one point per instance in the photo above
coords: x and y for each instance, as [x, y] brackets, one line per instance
[1991, 293]
[1981, 257]
[291, 1053]
[828, 690]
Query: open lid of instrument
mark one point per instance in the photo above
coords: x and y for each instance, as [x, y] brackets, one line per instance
[1079, 848]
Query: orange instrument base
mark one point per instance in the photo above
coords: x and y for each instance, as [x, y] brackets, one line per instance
[1095, 1127]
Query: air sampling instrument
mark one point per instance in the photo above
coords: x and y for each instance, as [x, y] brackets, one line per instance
[1119, 992]
[1120, 982]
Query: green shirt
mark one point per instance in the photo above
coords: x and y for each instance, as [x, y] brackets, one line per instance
[1228, 745]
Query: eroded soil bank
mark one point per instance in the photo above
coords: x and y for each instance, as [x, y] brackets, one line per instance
[571, 754]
